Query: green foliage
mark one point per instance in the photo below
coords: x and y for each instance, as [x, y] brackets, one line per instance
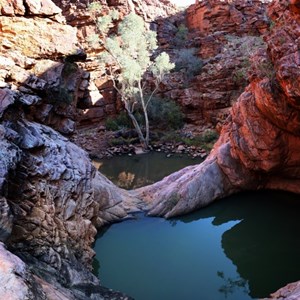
[94, 7]
[181, 36]
[119, 122]
[114, 14]
[103, 24]
[172, 201]
[162, 113]
[161, 65]
[187, 61]
[240, 75]
[69, 68]
[121, 141]
[266, 69]
[129, 52]
[244, 48]
[165, 113]
[271, 24]
[206, 140]
[93, 40]
[59, 95]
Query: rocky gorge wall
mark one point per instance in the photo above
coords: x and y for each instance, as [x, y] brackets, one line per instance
[258, 146]
[224, 35]
[205, 99]
[52, 199]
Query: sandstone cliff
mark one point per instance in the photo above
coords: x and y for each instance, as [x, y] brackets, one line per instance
[258, 146]
[52, 199]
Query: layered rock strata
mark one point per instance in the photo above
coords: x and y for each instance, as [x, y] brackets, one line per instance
[258, 147]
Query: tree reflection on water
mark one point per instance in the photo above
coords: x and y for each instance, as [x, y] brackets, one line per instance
[131, 172]
[231, 284]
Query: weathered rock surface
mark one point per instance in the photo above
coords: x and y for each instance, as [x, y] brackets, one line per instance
[238, 17]
[57, 199]
[289, 292]
[52, 199]
[258, 147]
[13, 275]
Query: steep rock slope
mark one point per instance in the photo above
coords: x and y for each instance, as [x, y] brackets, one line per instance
[51, 197]
[258, 147]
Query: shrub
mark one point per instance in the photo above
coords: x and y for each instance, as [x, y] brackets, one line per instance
[119, 122]
[94, 7]
[165, 113]
[59, 95]
[181, 35]
[185, 59]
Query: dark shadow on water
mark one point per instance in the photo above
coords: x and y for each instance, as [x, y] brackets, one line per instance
[265, 244]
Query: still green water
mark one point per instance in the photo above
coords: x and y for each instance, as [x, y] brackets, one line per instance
[131, 172]
[242, 247]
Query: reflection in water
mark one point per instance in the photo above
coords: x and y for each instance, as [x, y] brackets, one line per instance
[231, 284]
[131, 172]
[265, 245]
[240, 248]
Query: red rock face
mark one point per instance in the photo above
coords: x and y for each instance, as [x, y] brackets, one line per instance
[238, 16]
[259, 145]
[226, 34]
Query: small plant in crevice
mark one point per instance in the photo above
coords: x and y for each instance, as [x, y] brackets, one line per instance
[94, 7]
[69, 68]
[172, 201]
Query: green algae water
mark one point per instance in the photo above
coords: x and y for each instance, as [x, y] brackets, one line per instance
[243, 247]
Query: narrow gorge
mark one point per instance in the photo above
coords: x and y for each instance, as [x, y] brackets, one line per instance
[53, 199]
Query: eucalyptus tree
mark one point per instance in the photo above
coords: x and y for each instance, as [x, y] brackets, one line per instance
[127, 60]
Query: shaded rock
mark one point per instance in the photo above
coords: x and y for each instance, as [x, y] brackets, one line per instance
[17, 282]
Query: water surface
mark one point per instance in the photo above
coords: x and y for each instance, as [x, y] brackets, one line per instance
[131, 172]
[243, 247]
[240, 248]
